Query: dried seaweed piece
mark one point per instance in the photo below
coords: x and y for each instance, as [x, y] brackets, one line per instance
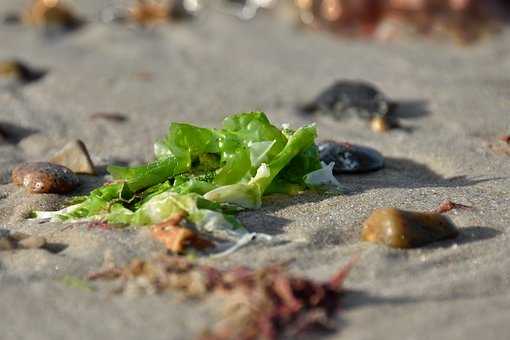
[177, 238]
[259, 304]
[448, 205]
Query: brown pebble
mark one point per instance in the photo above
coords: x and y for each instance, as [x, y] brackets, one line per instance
[75, 156]
[406, 229]
[42, 177]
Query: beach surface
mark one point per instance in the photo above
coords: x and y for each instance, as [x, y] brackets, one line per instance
[457, 102]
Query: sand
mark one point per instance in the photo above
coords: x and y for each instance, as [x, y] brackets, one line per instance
[458, 101]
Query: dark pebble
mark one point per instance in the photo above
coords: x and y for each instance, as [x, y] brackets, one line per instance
[42, 177]
[350, 97]
[350, 158]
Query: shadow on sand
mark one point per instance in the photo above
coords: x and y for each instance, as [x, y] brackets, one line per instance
[13, 133]
[406, 174]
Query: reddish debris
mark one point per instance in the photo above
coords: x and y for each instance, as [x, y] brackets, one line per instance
[177, 238]
[463, 20]
[505, 139]
[448, 205]
[99, 225]
[258, 304]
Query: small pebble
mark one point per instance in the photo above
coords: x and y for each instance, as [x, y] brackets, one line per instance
[349, 97]
[406, 229]
[75, 156]
[42, 177]
[350, 158]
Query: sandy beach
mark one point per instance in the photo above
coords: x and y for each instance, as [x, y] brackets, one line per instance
[457, 103]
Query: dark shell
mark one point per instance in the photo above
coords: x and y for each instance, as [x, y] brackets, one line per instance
[349, 97]
[350, 158]
[42, 177]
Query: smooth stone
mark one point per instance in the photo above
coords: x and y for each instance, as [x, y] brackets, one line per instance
[350, 97]
[350, 158]
[406, 229]
[42, 177]
[75, 156]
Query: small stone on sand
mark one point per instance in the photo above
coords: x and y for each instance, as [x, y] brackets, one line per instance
[75, 156]
[42, 177]
[406, 229]
[350, 158]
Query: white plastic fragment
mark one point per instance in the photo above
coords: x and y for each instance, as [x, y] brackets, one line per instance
[243, 241]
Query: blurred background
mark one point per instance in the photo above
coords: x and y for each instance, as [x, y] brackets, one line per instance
[108, 72]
